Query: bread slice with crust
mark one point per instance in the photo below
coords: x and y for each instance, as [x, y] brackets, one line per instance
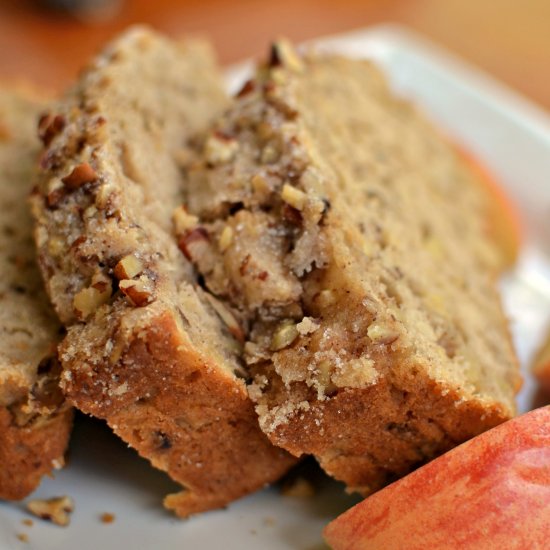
[351, 238]
[146, 348]
[35, 422]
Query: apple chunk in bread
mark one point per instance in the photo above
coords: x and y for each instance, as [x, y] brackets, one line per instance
[490, 492]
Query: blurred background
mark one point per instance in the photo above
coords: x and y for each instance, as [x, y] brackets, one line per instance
[47, 41]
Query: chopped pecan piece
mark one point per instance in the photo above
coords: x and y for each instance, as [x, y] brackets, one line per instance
[227, 317]
[247, 87]
[128, 268]
[88, 300]
[140, 292]
[49, 126]
[282, 53]
[226, 237]
[325, 298]
[324, 377]
[382, 334]
[294, 197]
[291, 215]
[191, 240]
[284, 335]
[80, 175]
[56, 191]
[183, 221]
[220, 148]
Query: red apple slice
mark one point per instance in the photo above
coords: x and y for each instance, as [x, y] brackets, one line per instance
[492, 492]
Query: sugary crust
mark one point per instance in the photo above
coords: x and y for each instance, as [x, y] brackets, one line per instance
[29, 452]
[368, 437]
[213, 446]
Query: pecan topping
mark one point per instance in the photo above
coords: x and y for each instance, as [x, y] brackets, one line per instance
[183, 221]
[291, 215]
[283, 54]
[284, 335]
[140, 293]
[128, 268]
[88, 300]
[54, 197]
[293, 196]
[77, 242]
[226, 238]
[49, 126]
[220, 148]
[192, 238]
[248, 87]
[382, 334]
[227, 317]
[81, 174]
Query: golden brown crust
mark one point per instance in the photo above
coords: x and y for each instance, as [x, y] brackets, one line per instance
[29, 452]
[213, 446]
[368, 437]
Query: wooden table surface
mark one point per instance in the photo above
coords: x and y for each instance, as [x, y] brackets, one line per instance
[508, 38]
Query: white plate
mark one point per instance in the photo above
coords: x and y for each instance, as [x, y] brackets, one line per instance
[512, 137]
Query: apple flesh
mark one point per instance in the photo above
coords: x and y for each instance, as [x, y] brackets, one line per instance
[490, 492]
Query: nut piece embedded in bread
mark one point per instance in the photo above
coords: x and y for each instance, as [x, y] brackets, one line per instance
[149, 351]
[359, 263]
[35, 421]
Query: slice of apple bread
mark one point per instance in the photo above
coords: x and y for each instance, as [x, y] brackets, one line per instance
[146, 347]
[35, 421]
[348, 235]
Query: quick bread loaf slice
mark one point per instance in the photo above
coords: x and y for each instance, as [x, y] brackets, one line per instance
[146, 349]
[35, 422]
[351, 239]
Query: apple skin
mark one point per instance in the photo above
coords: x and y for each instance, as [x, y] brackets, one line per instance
[492, 492]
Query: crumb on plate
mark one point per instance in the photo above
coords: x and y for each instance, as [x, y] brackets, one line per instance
[57, 510]
[107, 517]
[298, 487]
